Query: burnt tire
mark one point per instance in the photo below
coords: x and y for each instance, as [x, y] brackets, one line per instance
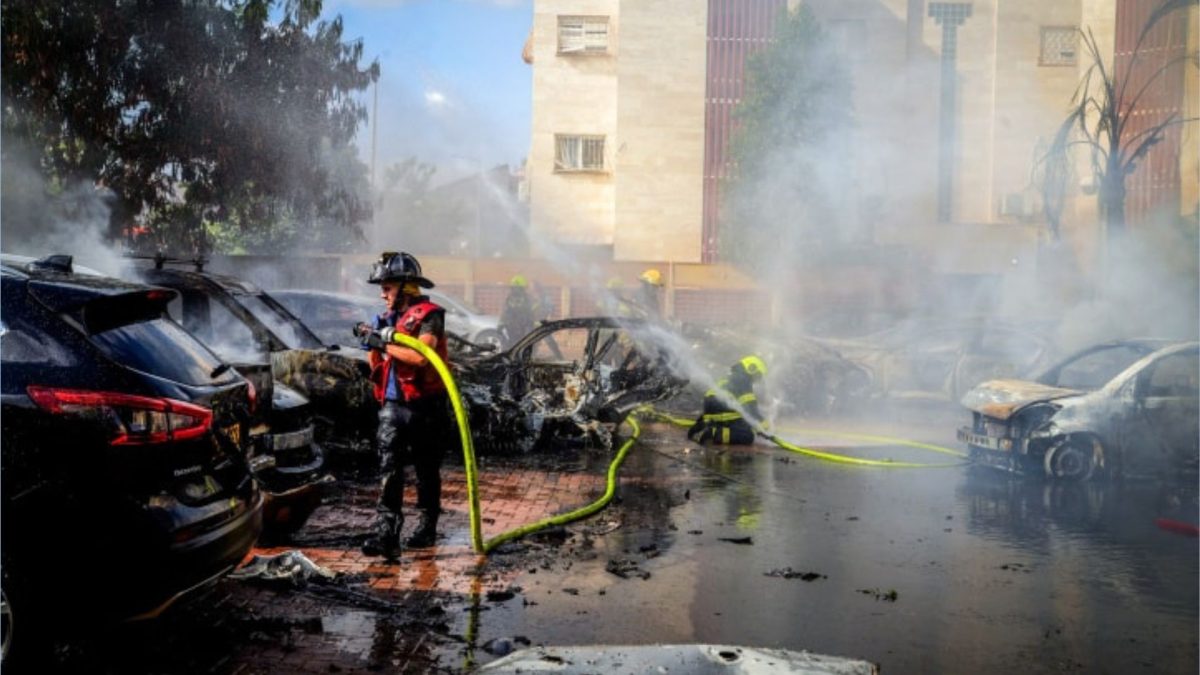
[1074, 460]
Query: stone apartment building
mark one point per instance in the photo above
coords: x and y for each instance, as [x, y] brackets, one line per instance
[955, 104]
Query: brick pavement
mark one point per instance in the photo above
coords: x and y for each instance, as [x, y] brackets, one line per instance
[407, 621]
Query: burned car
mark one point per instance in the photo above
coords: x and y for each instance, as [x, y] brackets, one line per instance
[572, 380]
[1118, 407]
[125, 483]
[244, 324]
[942, 360]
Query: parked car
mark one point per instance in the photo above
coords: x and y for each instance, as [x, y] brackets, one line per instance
[125, 483]
[942, 360]
[330, 315]
[1116, 407]
[244, 324]
[572, 380]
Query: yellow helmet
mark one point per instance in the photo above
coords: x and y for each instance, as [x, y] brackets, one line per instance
[652, 277]
[518, 281]
[754, 366]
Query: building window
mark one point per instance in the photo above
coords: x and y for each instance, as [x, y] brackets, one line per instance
[1059, 46]
[583, 35]
[578, 153]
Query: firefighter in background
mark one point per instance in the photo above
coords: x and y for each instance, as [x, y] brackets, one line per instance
[722, 423]
[414, 419]
[517, 317]
[647, 300]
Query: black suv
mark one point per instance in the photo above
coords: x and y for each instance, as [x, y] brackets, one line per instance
[125, 483]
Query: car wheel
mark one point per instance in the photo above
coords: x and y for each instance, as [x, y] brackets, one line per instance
[488, 338]
[1073, 459]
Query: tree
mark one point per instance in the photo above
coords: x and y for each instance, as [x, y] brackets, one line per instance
[1102, 108]
[791, 150]
[190, 113]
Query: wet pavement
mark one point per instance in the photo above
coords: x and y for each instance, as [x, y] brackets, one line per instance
[952, 570]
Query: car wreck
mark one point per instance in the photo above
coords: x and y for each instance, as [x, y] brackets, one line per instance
[1115, 408]
[572, 380]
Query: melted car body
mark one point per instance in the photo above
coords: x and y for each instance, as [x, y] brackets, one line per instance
[568, 380]
[1117, 407]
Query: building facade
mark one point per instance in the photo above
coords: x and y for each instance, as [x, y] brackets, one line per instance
[956, 104]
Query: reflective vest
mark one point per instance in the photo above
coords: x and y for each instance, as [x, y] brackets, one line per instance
[413, 382]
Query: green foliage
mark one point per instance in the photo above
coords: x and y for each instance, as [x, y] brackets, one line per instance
[190, 113]
[792, 150]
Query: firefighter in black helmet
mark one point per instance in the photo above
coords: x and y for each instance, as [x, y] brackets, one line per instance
[414, 421]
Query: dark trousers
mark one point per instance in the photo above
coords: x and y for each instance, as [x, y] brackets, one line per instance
[414, 433]
[738, 432]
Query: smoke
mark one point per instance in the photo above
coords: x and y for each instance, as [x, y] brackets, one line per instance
[36, 221]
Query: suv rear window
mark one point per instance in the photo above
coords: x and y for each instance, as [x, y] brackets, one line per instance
[161, 347]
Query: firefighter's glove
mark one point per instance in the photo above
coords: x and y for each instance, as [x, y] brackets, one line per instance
[370, 337]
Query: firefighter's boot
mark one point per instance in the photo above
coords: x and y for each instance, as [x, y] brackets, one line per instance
[386, 540]
[426, 533]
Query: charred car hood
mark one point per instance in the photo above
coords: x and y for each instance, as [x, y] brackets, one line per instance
[1000, 399]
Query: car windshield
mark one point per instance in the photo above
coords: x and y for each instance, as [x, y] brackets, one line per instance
[161, 347]
[288, 328]
[1094, 369]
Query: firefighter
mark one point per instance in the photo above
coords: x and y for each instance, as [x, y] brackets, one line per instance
[414, 420]
[721, 422]
[647, 299]
[517, 317]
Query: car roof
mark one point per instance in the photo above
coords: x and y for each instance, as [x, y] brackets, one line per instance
[61, 285]
[198, 280]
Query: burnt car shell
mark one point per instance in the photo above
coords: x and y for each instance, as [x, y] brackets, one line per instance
[1118, 407]
[569, 380]
[125, 485]
[243, 323]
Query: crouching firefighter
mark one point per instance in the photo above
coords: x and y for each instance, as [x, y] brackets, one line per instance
[721, 422]
[414, 420]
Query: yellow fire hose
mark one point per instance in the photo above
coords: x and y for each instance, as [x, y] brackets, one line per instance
[829, 456]
[464, 431]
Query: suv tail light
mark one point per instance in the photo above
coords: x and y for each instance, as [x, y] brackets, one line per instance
[135, 420]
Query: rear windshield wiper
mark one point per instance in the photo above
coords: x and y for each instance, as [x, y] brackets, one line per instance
[219, 370]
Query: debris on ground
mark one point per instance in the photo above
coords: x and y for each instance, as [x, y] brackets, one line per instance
[291, 568]
[626, 568]
[889, 595]
[745, 541]
[503, 646]
[789, 573]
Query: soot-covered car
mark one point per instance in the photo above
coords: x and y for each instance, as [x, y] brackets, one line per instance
[568, 380]
[1118, 407]
[125, 483]
[244, 324]
[942, 360]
